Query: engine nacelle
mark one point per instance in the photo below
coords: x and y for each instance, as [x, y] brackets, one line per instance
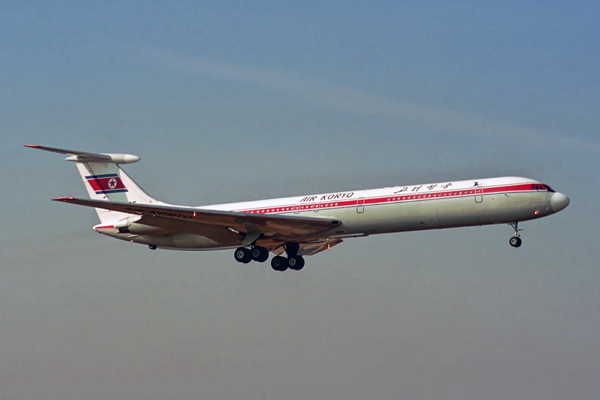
[130, 225]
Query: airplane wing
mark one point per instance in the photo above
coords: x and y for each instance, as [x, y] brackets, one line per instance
[269, 225]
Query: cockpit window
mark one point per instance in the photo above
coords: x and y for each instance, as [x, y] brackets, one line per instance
[541, 187]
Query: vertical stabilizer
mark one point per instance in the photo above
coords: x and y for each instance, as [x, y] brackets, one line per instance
[105, 180]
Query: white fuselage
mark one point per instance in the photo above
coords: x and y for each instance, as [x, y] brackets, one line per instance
[392, 209]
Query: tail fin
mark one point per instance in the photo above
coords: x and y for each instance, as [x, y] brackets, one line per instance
[105, 180]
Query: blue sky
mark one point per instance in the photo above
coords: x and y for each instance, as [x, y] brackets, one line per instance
[234, 101]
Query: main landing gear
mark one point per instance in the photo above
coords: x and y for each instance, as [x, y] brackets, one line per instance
[293, 260]
[278, 263]
[516, 241]
[256, 253]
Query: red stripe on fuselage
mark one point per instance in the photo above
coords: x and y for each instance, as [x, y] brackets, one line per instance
[525, 187]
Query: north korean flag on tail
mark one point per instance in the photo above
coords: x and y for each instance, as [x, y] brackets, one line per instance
[109, 183]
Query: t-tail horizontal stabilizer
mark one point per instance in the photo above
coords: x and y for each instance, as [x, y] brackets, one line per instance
[82, 156]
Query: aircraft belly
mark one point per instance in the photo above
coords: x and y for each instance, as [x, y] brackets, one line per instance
[189, 240]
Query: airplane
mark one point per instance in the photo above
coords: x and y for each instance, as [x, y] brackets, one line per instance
[302, 225]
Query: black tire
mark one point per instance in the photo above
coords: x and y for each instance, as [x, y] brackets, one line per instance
[242, 255]
[260, 254]
[515, 241]
[279, 263]
[296, 263]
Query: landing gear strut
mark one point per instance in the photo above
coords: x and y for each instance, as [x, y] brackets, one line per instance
[516, 241]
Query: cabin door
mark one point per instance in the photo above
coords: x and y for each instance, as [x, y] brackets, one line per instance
[478, 194]
[360, 205]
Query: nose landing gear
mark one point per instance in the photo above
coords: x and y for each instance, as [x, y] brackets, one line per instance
[516, 241]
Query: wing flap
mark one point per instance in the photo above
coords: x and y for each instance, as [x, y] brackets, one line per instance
[311, 247]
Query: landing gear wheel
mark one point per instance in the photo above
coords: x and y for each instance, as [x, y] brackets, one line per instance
[515, 241]
[296, 263]
[260, 254]
[279, 263]
[243, 255]
[152, 247]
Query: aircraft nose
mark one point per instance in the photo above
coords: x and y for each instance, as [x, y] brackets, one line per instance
[559, 201]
